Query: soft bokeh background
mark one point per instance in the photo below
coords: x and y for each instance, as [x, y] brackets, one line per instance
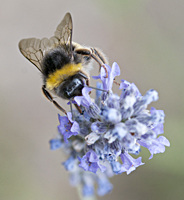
[146, 39]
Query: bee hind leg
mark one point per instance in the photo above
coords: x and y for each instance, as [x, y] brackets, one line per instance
[50, 98]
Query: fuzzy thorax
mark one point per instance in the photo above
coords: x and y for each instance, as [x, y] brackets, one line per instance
[60, 75]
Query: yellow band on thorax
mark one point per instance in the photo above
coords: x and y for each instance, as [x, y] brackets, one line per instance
[60, 75]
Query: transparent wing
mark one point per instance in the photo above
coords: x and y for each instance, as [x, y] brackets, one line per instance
[34, 49]
[64, 33]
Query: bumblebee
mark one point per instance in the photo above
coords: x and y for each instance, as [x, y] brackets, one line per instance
[64, 64]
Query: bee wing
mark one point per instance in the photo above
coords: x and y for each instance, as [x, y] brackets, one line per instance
[64, 33]
[34, 49]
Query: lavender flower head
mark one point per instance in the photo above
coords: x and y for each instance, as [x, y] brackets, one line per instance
[99, 141]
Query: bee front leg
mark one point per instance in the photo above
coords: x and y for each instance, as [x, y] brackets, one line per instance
[50, 98]
[85, 76]
[100, 55]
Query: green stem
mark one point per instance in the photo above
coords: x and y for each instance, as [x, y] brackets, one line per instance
[79, 190]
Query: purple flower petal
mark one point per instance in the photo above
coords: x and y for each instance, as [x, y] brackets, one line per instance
[88, 190]
[92, 156]
[163, 140]
[118, 132]
[124, 84]
[94, 111]
[111, 115]
[93, 167]
[157, 116]
[69, 164]
[159, 129]
[98, 92]
[102, 168]
[85, 92]
[157, 145]
[78, 99]
[126, 162]
[90, 162]
[69, 115]
[99, 127]
[96, 77]
[113, 101]
[143, 101]
[55, 144]
[104, 186]
[135, 127]
[66, 128]
[84, 100]
[91, 138]
[75, 127]
[116, 167]
[130, 163]
[114, 72]
[83, 164]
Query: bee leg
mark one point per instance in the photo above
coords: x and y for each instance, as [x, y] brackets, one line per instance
[50, 98]
[100, 55]
[85, 77]
[100, 58]
[87, 82]
[78, 108]
[103, 59]
[95, 56]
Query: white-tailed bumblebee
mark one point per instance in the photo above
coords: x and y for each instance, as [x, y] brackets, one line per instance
[64, 64]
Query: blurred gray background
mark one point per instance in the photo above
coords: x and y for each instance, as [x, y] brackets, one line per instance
[146, 39]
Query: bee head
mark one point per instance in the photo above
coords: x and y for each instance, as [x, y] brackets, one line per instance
[71, 87]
